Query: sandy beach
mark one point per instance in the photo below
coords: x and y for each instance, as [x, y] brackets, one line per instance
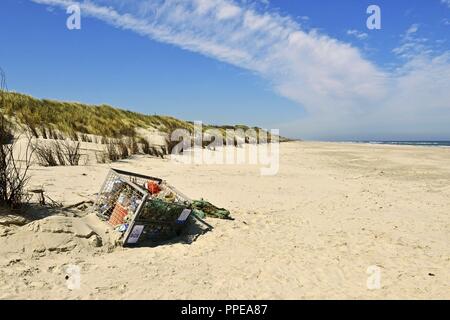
[310, 232]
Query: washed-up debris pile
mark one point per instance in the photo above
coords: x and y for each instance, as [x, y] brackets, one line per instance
[147, 208]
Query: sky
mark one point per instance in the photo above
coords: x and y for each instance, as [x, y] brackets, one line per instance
[312, 69]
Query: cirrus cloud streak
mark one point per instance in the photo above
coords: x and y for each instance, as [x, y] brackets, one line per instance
[329, 78]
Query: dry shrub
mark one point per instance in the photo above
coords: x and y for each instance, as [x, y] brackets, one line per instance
[101, 157]
[153, 151]
[57, 148]
[116, 150]
[158, 151]
[124, 153]
[58, 153]
[111, 151]
[132, 145]
[46, 155]
[13, 171]
[71, 152]
[145, 145]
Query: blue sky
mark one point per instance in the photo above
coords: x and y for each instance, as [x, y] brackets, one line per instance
[310, 68]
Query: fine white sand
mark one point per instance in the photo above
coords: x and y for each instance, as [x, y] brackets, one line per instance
[311, 231]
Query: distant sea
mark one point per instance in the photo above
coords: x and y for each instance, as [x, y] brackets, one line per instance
[412, 143]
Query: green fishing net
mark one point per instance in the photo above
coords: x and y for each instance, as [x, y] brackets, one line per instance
[202, 209]
[159, 210]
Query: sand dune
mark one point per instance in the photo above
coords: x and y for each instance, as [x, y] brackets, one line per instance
[312, 231]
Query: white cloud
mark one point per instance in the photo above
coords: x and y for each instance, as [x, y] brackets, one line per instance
[228, 11]
[357, 34]
[446, 2]
[339, 88]
[413, 29]
[415, 106]
[412, 45]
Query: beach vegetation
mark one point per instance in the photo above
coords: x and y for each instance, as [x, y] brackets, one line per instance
[52, 119]
[13, 173]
